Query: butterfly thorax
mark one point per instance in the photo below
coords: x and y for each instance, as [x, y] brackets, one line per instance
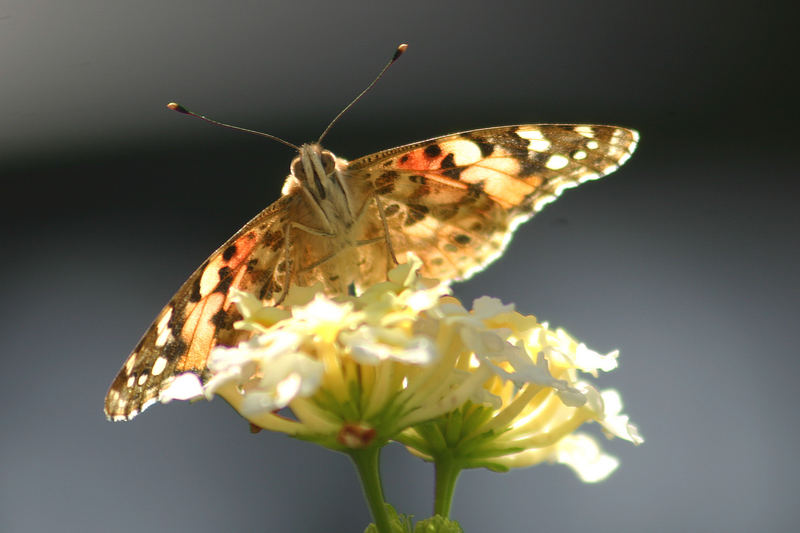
[326, 238]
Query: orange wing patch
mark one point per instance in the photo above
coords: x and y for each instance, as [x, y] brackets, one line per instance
[213, 310]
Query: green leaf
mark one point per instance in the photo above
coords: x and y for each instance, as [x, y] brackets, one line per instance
[398, 523]
[438, 524]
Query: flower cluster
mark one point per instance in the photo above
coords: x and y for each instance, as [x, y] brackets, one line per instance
[531, 400]
[406, 361]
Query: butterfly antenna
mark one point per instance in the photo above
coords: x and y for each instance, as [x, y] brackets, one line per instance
[180, 109]
[395, 57]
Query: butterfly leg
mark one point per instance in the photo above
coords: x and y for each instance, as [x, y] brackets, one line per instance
[318, 262]
[385, 224]
[287, 258]
[370, 241]
[385, 238]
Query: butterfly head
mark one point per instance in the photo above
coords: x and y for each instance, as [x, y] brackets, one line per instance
[314, 170]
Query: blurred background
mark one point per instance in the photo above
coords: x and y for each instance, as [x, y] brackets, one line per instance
[685, 259]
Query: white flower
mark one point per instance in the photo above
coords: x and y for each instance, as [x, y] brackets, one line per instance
[578, 451]
[614, 423]
[565, 351]
[525, 398]
[371, 345]
[268, 372]
[404, 353]
[581, 452]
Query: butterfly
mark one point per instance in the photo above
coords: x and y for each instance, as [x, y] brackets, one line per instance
[453, 201]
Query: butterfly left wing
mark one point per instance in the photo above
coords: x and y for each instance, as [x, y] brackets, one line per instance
[454, 201]
[170, 359]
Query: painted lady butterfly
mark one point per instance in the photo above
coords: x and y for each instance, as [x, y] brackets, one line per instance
[454, 201]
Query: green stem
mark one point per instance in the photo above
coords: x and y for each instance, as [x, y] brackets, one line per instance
[447, 471]
[367, 464]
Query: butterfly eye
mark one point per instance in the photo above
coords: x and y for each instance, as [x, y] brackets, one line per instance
[328, 162]
[297, 169]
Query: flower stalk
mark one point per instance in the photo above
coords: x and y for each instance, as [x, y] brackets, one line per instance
[447, 472]
[367, 463]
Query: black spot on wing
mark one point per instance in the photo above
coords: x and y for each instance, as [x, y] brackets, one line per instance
[174, 348]
[475, 190]
[512, 142]
[462, 239]
[415, 213]
[385, 182]
[221, 319]
[229, 252]
[449, 167]
[225, 280]
[432, 150]
[195, 295]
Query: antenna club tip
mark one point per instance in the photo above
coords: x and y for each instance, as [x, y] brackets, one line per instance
[399, 51]
[177, 107]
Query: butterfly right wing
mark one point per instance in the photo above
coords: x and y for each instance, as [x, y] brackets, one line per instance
[455, 201]
[201, 314]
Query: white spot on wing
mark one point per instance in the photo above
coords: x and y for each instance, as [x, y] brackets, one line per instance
[162, 324]
[131, 381]
[536, 139]
[129, 364]
[592, 145]
[465, 152]
[209, 279]
[530, 134]
[539, 145]
[163, 337]
[580, 154]
[142, 379]
[557, 162]
[162, 328]
[159, 366]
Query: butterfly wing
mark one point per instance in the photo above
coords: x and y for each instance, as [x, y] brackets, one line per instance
[201, 315]
[454, 201]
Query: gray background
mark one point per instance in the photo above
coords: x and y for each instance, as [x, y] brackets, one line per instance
[685, 259]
